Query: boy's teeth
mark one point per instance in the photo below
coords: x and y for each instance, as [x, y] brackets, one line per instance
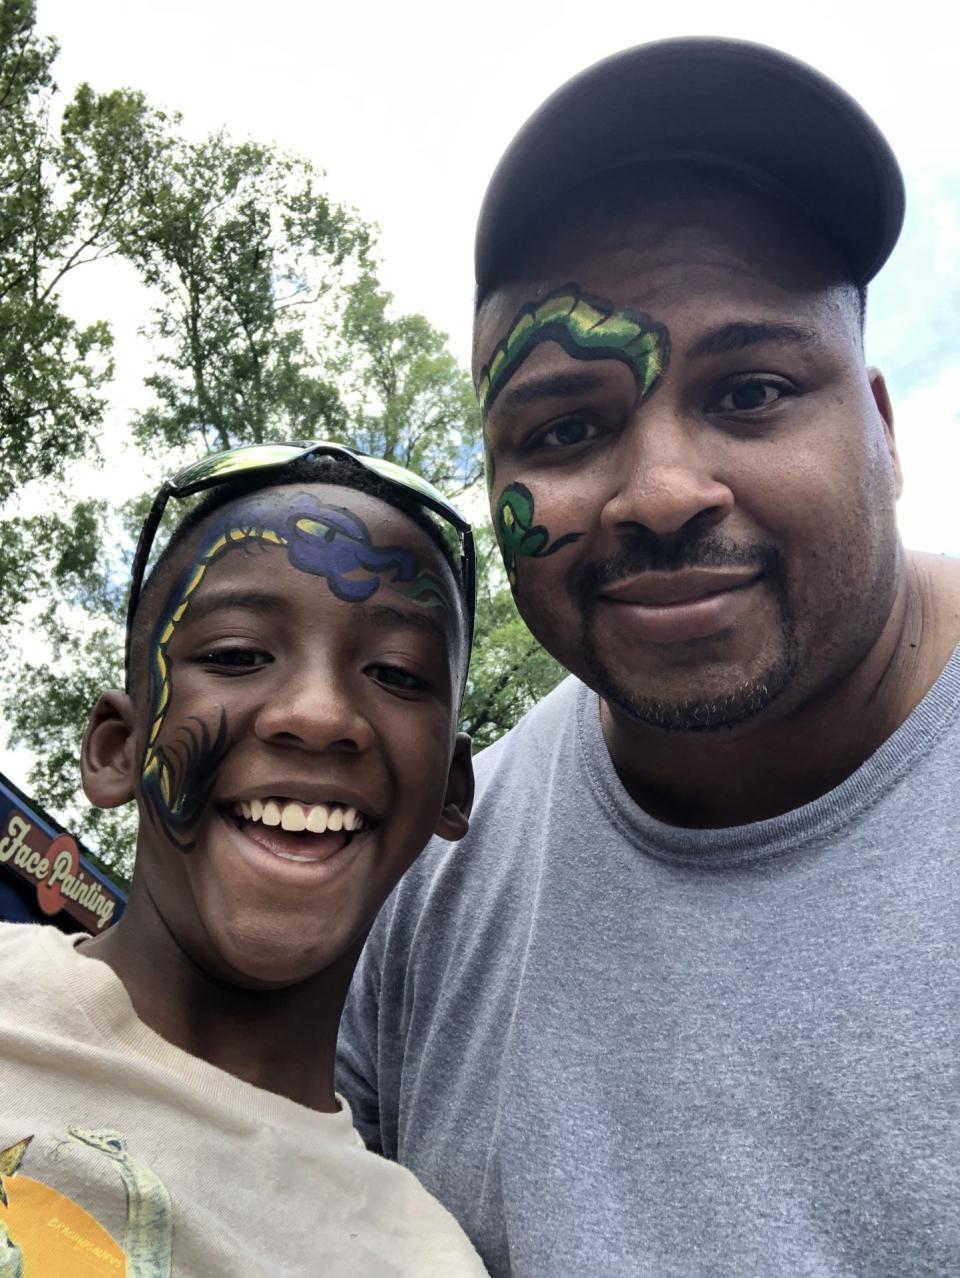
[315, 817]
[292, 817]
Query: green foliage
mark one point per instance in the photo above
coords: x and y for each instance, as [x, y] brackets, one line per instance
[48, 713]
[63, 198]
[408, 399]
[509, 672]
[239, 243]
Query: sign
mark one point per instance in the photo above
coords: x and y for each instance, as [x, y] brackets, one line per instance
[50, 861]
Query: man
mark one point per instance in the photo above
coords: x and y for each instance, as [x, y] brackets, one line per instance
[684, 1002]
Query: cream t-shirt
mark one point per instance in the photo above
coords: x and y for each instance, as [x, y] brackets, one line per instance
[122, 1155]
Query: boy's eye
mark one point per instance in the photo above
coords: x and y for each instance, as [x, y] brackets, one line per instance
[395, 677]
[751, 395]
[234, 658]
[575, 429]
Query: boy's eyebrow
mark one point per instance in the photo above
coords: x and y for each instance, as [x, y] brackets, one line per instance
[387, 615]
[213, 600]
[740, 335]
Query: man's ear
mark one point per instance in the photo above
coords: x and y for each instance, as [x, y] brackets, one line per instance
[881, 397]
[107, 761]
[457, 802]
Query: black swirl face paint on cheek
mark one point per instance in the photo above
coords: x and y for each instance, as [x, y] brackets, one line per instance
[179, 789]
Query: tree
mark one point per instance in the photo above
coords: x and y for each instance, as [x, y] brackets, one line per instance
[407, 398]
[509, 671]
[64, 194]
[240, 245]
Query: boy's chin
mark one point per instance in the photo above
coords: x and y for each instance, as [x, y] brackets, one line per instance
[267, 960]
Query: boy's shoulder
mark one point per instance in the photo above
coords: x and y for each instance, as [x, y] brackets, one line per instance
[32, 946]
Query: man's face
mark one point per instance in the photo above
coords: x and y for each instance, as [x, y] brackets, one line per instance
[299, 731]
[691, 480]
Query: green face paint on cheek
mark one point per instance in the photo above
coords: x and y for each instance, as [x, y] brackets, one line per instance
[519, 535]
[587, 328]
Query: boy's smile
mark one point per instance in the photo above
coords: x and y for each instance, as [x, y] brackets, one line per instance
[300, 730]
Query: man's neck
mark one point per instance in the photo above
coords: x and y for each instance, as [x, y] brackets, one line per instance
[282, 1040]
[712, 780]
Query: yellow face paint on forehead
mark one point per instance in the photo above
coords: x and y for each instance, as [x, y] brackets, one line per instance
[587, 328]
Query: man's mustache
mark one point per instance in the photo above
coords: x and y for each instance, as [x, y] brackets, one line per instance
[688, 548]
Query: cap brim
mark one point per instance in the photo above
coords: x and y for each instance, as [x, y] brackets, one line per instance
[706, 100]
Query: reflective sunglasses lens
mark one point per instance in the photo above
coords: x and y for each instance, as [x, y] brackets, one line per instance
[235, 461]
[408, 479]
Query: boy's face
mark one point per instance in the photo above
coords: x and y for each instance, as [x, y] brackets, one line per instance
[304, 668]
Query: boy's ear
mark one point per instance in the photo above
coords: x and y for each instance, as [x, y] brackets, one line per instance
[107, 762]
[455, 818]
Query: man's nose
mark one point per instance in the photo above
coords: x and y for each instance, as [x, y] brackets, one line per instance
[664, 475]
[317, 710]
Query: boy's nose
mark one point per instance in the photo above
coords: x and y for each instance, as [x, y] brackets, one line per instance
[315, 713]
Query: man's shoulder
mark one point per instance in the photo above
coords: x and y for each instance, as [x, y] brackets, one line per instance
[512, 780]
[546, 726]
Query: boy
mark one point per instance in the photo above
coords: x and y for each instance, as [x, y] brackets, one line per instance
[295, 663]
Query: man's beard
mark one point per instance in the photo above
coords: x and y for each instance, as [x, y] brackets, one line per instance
[689, 548]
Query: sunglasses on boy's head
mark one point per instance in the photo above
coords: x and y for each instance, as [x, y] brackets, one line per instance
[256, 459]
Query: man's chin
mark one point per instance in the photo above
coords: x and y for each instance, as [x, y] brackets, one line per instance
[705, 710]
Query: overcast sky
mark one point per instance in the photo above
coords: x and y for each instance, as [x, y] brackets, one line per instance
[408, 107]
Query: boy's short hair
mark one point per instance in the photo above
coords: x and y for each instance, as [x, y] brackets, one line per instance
[339, 471]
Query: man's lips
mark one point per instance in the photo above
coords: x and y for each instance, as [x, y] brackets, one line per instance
[665, 589]
[675, 607]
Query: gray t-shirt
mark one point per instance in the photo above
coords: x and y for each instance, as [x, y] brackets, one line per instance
[615, 1047]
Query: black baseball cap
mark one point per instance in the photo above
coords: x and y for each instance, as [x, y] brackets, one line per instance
[708, 100]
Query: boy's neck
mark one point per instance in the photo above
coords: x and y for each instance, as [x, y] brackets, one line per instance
[282, 1040]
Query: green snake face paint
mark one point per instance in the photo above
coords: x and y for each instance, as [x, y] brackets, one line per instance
[519, 535]
[587, 328]
[320, 539]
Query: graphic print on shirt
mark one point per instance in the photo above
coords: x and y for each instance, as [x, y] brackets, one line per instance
[43, 1232]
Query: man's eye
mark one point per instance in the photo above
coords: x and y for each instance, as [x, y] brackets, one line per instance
[395, 677]
[571, 430]
[234, 658]
[749, 396]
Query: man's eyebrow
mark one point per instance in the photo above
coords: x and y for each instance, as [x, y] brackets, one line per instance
[259, 601]
[550, 386]
[387, 616]
[741, 335]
